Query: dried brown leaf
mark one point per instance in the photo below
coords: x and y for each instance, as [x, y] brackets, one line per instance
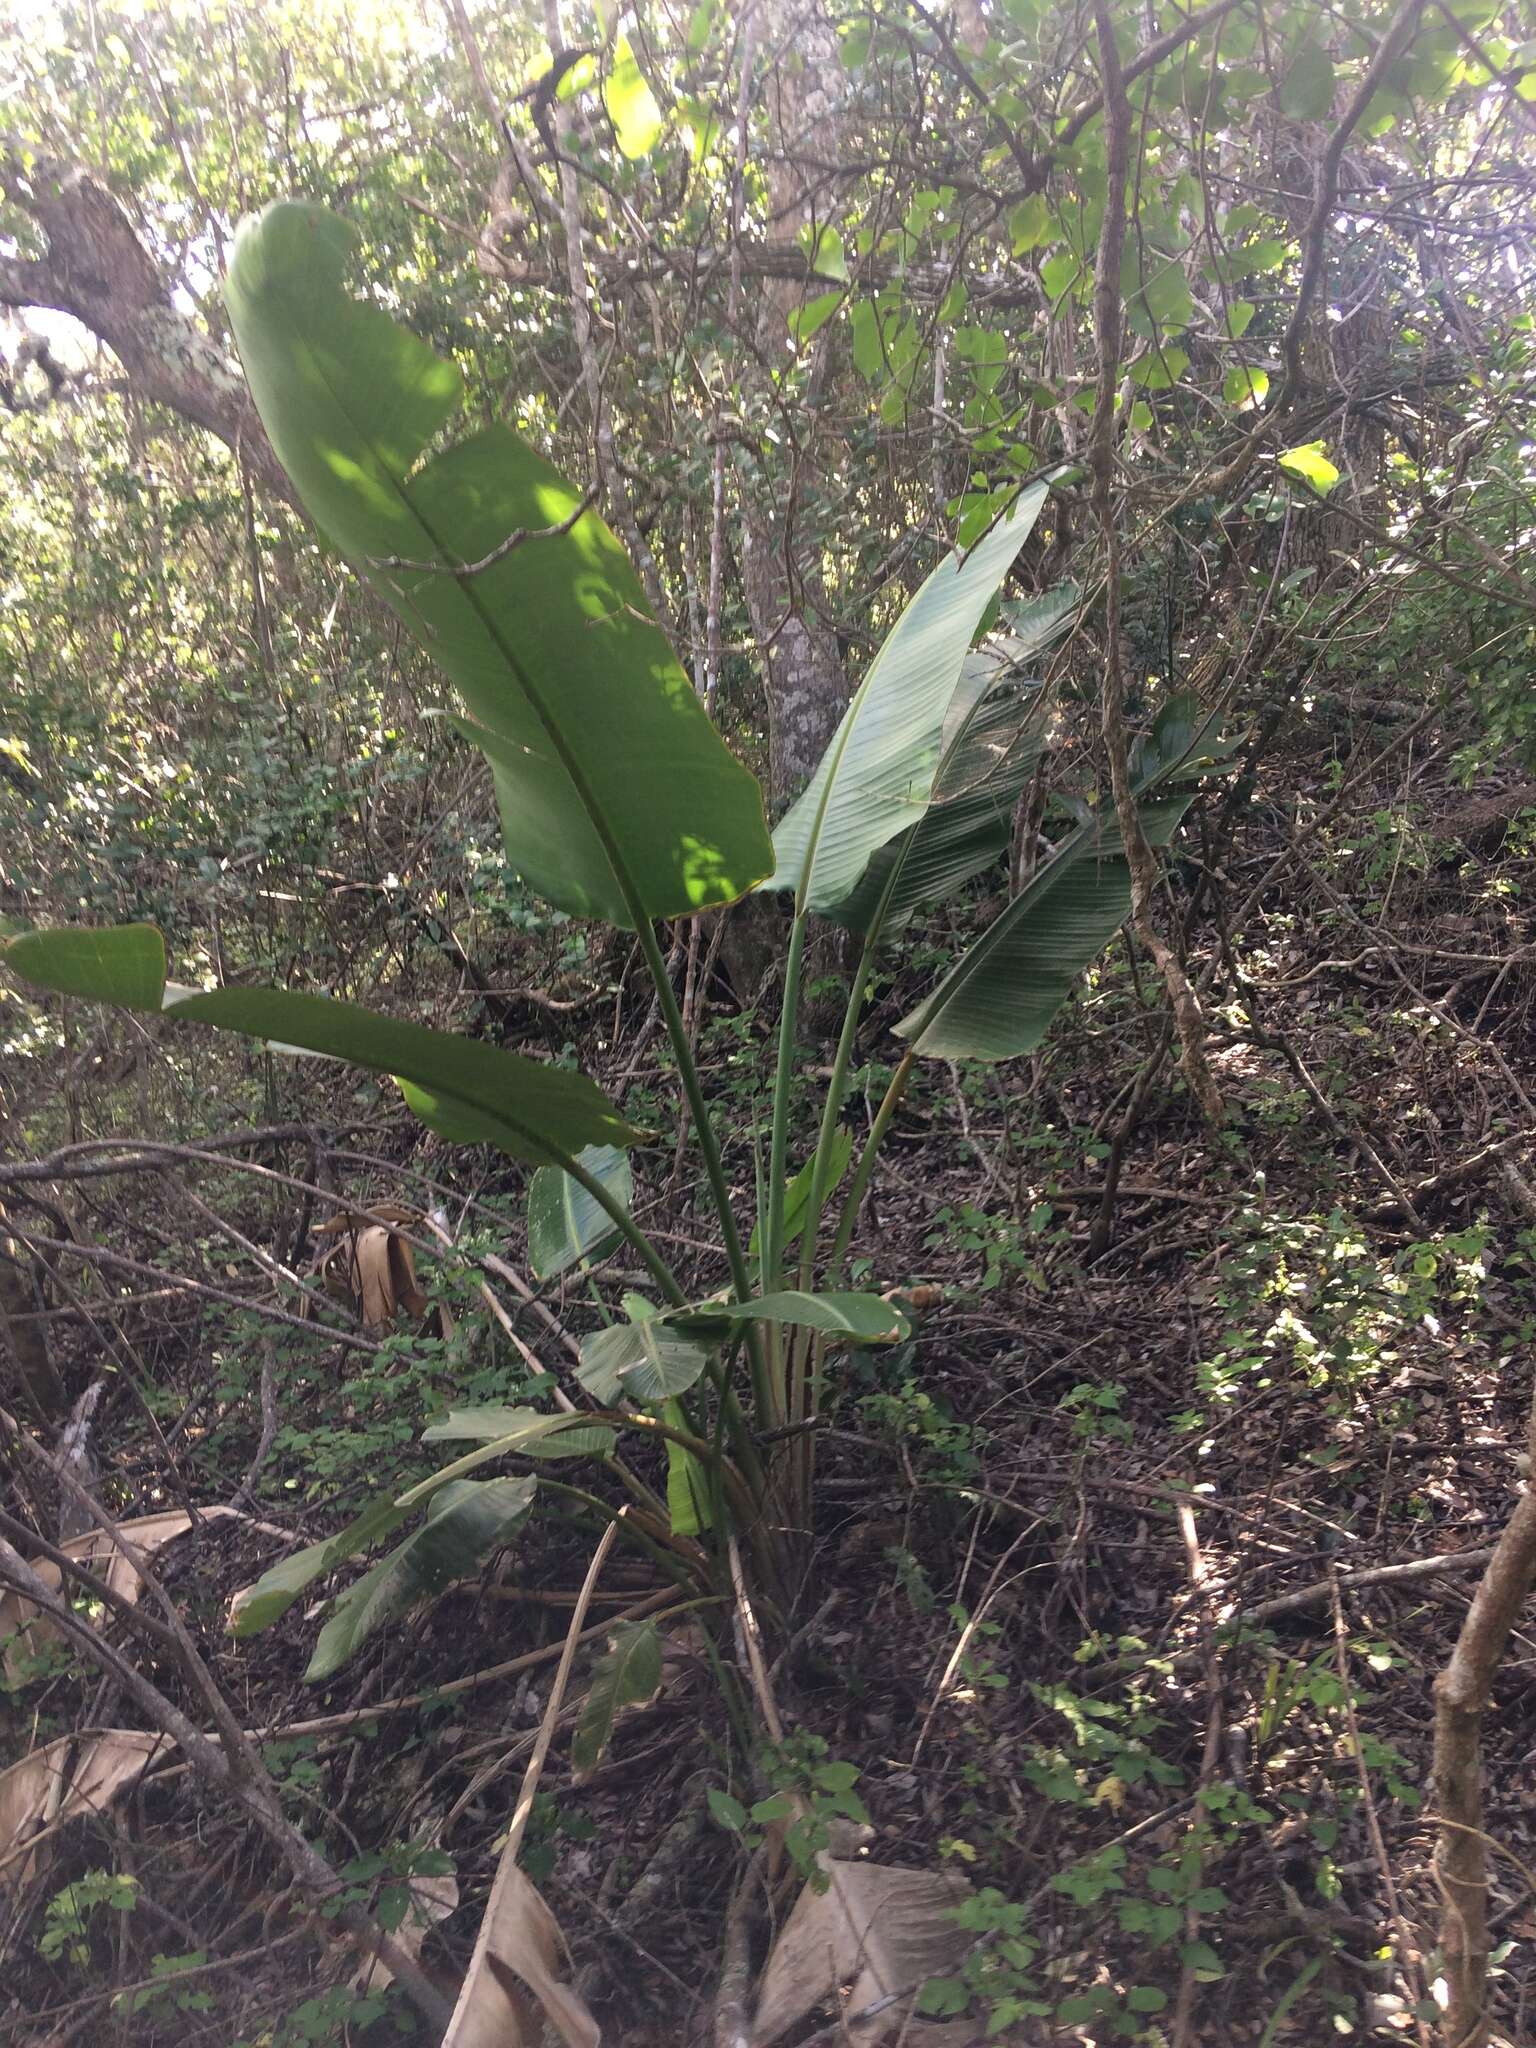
[43, 1791]
[401, 1214]
[402, 1272]
[147, 1534]
[373, 1278]
[874, 1931]
[519, 1939]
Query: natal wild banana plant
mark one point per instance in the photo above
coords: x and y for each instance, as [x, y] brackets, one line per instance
[619, 800]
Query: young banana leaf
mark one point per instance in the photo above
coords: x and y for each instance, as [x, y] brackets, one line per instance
[994, 732]
[998, 1000]
[877, 774]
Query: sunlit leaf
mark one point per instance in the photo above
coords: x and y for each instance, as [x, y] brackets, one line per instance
[1309, 464]
[824, 252]
[630, 102]
[1245, 387]
[809, 319]
[614, 787]
[467, 1090]
[1029, 224]
[876, 775]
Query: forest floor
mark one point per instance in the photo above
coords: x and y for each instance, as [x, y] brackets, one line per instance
[1039, 1613]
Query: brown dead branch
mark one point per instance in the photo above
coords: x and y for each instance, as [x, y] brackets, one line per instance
[1462, 1695]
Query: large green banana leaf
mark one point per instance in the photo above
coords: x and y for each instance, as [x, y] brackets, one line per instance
[993, 735]
[617, 796]
[877, 773]
[473, 1093]
[1000, 997]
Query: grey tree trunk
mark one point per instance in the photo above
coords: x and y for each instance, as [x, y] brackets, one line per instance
[98, 271]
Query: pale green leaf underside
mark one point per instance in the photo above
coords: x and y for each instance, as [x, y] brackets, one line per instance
[565, 1223]
[464, 1524]
[508, 1432]
[865, 1317]
[645, 1362]
[876, 775]
[968, 823]
[994, 733]
[604, 755]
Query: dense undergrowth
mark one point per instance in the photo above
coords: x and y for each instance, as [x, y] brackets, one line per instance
[1042, 1520]
[1099, 1659]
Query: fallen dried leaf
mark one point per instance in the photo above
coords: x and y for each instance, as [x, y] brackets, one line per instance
[872, 1932]
[519, 1939]
[99, 1554]
[371, 1266]
[42, 1791]
[373, 1278]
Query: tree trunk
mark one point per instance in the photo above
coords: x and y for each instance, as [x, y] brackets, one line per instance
[98, 271]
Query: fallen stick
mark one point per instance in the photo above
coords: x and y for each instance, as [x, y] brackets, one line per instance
[527, 1662]
[1322, 1591]
[1455, 1176]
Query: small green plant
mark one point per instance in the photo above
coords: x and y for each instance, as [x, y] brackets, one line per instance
[1105, 1750]
[168, 1994]
[811, 1791]
[1313, 1299]
[1094, 1408]
[326, 2018]
[66, 1934]
[1010, 1252]
[379, 1881]
[998, 1977]
[945, 1448]
[548, 1825]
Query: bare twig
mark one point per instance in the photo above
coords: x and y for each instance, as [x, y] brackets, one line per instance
[515, 539]
[1462, 1693]
[1321, 1591]
[1108, 312]
[1407, 1955]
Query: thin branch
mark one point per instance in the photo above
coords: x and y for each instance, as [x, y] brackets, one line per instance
[1108, 314]
[514, 539]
